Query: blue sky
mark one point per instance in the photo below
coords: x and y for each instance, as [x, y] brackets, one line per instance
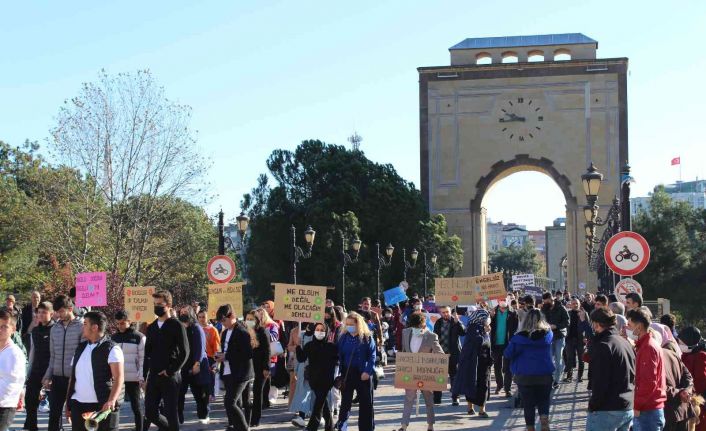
[262, 75]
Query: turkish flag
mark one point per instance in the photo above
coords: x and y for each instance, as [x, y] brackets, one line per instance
[676, 161]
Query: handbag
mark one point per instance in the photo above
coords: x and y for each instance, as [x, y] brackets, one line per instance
[276, 348]
[340, 381]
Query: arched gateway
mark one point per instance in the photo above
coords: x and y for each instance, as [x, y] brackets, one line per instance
[482, 122]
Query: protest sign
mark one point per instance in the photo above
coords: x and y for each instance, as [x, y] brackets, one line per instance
[300, 303]
[534, 291]
[428, 371]
[394, 296]
[225, 293]
[90, 289]
[470, 290]
[519, 281]
[139, 304]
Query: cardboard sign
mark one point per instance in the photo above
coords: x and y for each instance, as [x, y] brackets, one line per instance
[534, 291]
[90, 289]
[299, 303]
[139, 304]
[225, 293]
[470, 290]
[394, 296]
[427, 371]
[519, 281]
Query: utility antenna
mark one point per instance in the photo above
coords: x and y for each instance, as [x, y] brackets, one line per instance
[355, 139]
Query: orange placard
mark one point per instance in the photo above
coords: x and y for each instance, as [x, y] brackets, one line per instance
[470, 290]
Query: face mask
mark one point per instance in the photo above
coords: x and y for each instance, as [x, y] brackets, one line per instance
[388, 315]
[431, 301]
[684, 348]
[319, 335]
[631, 335]
[159, 310]
[351, 329]
[250, 324]
[418, 307]
[417, 332]
[502, 304]
[184, 318]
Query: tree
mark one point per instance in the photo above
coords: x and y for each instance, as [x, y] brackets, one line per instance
[339, 191]
[676, 233]
[521, 260]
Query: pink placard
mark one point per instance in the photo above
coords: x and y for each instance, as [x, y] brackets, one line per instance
[90, 289]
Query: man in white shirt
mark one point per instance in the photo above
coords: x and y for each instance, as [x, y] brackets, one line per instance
[12, 371]
[97, 375]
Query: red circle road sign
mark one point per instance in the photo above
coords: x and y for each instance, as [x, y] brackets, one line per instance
[220, 269]
[627, 253]
[625, 286]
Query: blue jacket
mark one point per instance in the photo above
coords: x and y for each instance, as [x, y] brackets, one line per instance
[363, 352]
[531, 356]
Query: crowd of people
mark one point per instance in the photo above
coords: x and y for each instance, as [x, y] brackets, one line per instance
[641, 373]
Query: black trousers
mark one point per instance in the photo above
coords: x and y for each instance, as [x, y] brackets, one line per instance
[32, 391]
[253, 410]
[111, 423]
[57, 399]
[574, 353]
[503, 375]
[166, 389]
[132, 393]
[7, 414]
[321, 406]
[199, 392]
[364, 389]
[233, 405]
[453, 368]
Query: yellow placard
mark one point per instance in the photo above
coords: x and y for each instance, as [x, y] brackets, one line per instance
[225, 293]
[300, 303]
[470, 290]
[139, 304]
[427, 371]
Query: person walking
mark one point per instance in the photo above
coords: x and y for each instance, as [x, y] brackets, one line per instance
[213, 344]
[274, 333]
[64, 338]
[357, 353]
[558, 319]
[473, 375]
[449, 329]
[530, 353]
[321, 355]
[579, 325]
[12, 371]
[194, 372]
[236, 359]
[302, 399]
[261, 368]
[97, 376]
[610, 406]
[503, 325]
[416, 338]
[39, 348]
[166, 351]
[680, 385]
[650, 383]
[693, 355]
[132, 344]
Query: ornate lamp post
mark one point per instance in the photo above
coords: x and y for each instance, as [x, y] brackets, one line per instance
[383, 262]
[427, 271]
[297, 252]
[407, 264]
[347, 259]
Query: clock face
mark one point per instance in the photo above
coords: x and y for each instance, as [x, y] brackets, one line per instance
[520, 119]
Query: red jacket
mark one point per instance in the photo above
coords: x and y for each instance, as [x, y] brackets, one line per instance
[696, 364]
[650, 383]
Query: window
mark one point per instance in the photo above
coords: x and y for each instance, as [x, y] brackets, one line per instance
[509, 57]
[535, 55]
[483, 58]
[562, 54]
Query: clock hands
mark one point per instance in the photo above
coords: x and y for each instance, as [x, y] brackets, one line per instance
[511, 118]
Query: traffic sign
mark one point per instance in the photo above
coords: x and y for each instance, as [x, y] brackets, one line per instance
[627, 253]
[220, 269]
[625, 286]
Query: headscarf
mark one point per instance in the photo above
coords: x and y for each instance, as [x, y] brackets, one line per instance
[478, 317]
[664, 332]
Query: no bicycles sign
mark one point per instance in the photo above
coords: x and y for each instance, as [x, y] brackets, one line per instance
[627, 253]
[220, 269]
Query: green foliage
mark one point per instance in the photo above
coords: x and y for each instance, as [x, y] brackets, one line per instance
[521, 260]
[676, 233]
[337, 191]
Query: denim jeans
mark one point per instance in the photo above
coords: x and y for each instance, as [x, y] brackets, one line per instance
[557, 356]
[618, 420]
[649, 420]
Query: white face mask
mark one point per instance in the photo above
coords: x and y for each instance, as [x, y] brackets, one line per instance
[684, 348]
[418, 307]
[631, 335]
[417, 331]
[502, 304]
[250, 323]
[319, 335]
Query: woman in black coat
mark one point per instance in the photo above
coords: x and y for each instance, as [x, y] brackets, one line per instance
[323, 357]
[261, 367]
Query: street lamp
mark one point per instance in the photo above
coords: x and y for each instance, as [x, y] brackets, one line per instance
[591, 184]
[297, 252]
[347, 259]
[426, 269]
[407, 264]
[383, 262]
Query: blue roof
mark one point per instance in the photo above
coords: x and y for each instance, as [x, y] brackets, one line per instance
[517, 41]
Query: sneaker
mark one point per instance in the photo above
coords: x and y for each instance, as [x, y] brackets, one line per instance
[205, 421]
[454, 402]
[299, 422]
[44, 406]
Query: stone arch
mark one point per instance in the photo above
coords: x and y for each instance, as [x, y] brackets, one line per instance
[510, 57]
[484, 58]
[563, 54]
[535, 54]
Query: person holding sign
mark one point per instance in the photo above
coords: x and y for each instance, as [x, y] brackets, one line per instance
[416, 338]
[473, 376]
[357, 353]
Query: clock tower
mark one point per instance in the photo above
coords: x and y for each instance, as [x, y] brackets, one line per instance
[541, 103]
